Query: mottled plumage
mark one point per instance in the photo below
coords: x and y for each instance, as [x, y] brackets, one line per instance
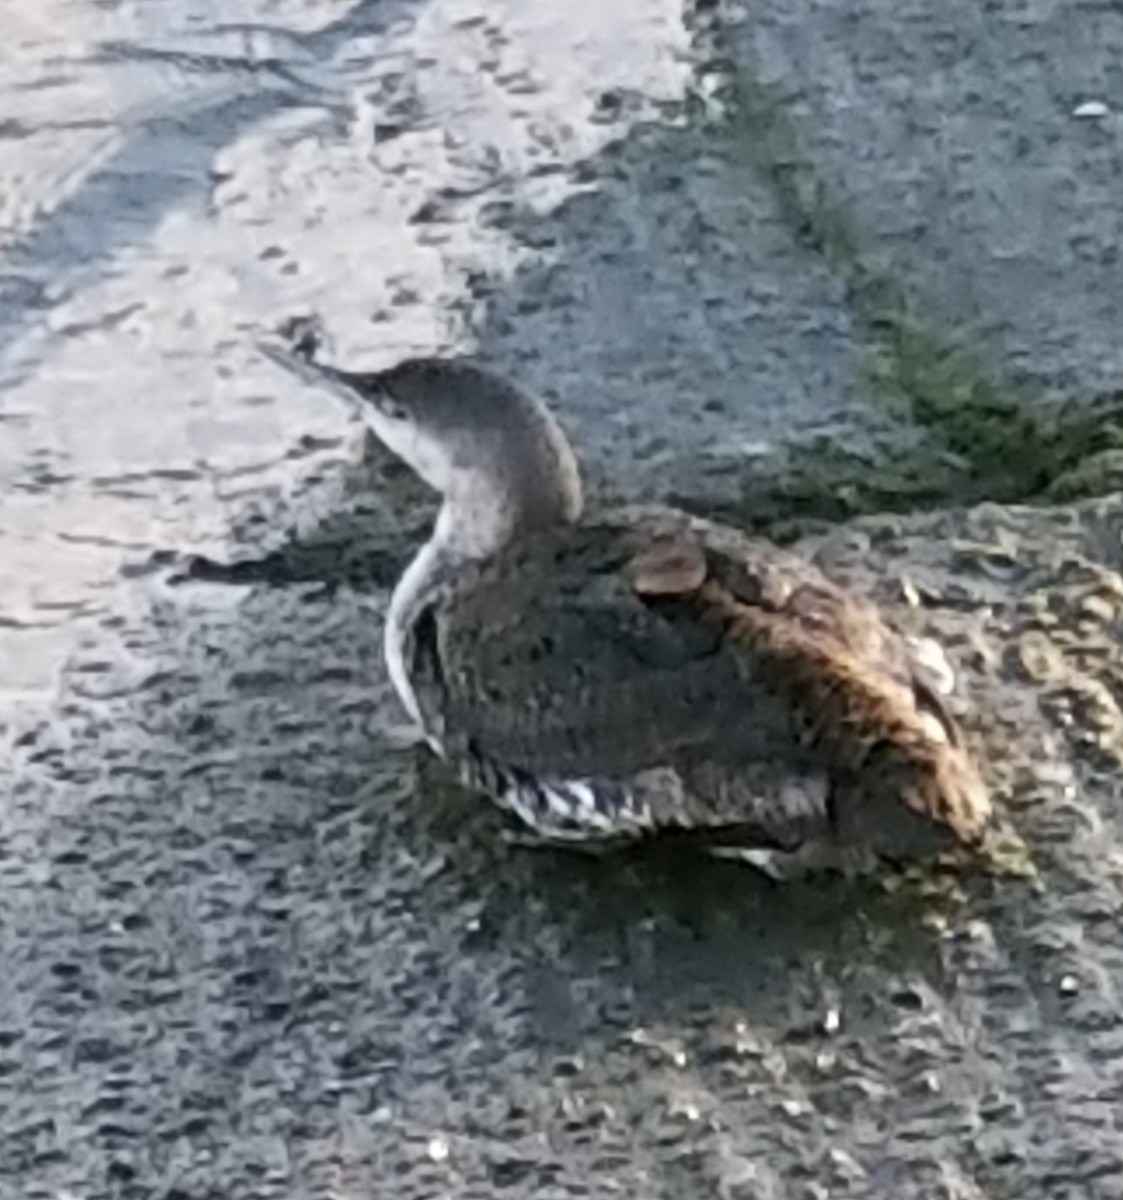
[643, 670]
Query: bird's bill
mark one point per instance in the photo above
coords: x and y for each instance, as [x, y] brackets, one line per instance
[318, 374]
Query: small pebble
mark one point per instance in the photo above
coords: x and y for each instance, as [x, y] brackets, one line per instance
[438, 1149]
[686, 1109]
[1069, 985]
[846, 1164]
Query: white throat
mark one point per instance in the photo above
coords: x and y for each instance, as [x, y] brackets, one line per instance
[453, 545]
[409, 598]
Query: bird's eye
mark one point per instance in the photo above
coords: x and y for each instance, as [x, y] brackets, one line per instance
[389, 407]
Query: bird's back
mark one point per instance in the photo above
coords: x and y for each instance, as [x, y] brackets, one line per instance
[701, 679]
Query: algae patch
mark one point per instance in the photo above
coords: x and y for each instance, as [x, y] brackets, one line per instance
[984, 436]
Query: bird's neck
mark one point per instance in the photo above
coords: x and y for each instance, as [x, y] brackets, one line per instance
[418, 586]
[456, 542]
[469, 529]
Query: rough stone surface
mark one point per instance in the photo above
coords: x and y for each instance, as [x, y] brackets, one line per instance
[252, 947]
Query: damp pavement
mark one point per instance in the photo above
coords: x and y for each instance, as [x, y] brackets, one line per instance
[758, 257]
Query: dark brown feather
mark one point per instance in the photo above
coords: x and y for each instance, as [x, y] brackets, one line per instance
[647, 641]
[865, 728]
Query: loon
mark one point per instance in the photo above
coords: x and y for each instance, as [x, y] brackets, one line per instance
[641, 671]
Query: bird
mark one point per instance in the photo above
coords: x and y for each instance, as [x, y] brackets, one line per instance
[642, 672]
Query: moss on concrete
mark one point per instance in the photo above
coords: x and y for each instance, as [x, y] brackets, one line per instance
[986, 437]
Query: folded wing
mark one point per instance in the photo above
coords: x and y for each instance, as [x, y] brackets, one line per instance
[681, 675]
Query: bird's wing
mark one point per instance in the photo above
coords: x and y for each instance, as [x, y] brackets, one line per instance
[551, 660]
[650, 643]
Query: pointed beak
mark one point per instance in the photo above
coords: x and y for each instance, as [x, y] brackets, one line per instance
[342, 384]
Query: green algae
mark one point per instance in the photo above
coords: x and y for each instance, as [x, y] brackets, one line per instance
[983, 435]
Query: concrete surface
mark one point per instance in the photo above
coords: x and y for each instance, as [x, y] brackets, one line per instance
[785, 261]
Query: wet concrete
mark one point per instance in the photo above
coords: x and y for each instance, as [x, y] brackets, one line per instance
[254, 948]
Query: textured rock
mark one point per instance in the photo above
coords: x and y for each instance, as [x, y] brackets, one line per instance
[249, 948]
